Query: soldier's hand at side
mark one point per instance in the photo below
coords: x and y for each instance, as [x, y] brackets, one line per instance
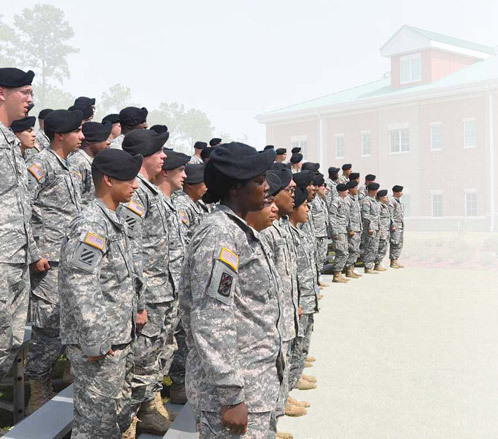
[351, 233]
[235, 418]
[299, 311]
[141, 318]
[370, 232]
[101, 357]
[334, 236]
[393, 228]
[40, 266]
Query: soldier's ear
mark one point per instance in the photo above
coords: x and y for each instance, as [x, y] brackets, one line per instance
[3, 92]
[107, 180]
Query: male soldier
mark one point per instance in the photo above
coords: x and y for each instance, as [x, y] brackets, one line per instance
[159, 129]
[331, 183]
[96, 139]
[296, 162]
[130, 118]
[41, 138]
[354, 176]
[362, 193]
[354, 229]
[25, 132]
[16, 237]
[86, 111]
[55, 190]
[385, 224]
[198, 148]
[398, 226]
[206, 152]
[370, 211]
[116, 125]
[98, 289]
[346, 170]
[214, 142]
[84, 102]
[319, 212]
[281, 155]
[339, 218]
[187, 201]
[146, 217]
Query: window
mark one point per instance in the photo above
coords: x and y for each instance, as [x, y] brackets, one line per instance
[410, 68]
[469, 133]
[437, 204]
[399, 140]
[299, 142]
[366, 149]
[436, 136]
[339, 146]
[471, 203]
[405, 201]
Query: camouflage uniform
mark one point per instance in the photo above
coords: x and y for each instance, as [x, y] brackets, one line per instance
[229, 308]
[362, 193]
[98, 289]
[384, 231]
[194, 160]
[42, 140]
[355, 225]
[117, 142]
[190, 213]
[30, 152]
[55, 192]
[343, 179]
[339, 218]
[83, 162]
[370, 211]
[309, 229]
[320, 215]
[16, 246]
[397, 214]
[146, 217]
[332, 192]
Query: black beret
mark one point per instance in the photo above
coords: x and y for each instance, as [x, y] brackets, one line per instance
[318, 180]
[83, 101]
[23, 124]
[144, 142]
[200, 145]
[214, 141]
[296, 157]
[240, 161]
[269, 147]
[284, 174]
[346, 166]
[195, 173]
[281, 151]
[333, 171]
[87, 112]
[111, 118]
[300, 196]
[370, 177]
[382, 193]
[117, 164]
[310, 166]
[159, 128]
[206, 152]
[373, 186]
[43, 114]
[274, 182]
[354, 175]
[62, 121]
[174, 160]
[11, 77]
[341, 187]
[303, 178]
[351, 184]
[397, 188]
[133, 116]
[96, 132]
[296, 150]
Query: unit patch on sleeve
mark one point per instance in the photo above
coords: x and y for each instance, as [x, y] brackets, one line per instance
[225, 285]
[183, 217]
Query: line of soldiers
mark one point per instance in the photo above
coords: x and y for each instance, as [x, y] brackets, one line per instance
[146, 262]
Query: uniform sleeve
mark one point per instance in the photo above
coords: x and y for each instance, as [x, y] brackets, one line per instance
[36, 178]
[333, 218]
[305, 284]
[365, 214]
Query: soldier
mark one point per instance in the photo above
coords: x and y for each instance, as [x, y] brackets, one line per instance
[146, 217]
[206, 152]
[331, 183]
[281, 155]
[319, 211]
[16, 238]
[398, 226]
[84, 102]
[296, 162]
[269, 147]
[385, 224]
[25, 132]
[229, 303]
[370, 211]
[116, 125]
[96, 139]
[354, 229]
[215, 141]
[55, 191]
[346, 171]
[339, 219]
[362, 193]
[159, 129]
[130, 118]
[97, 284]
[41, 138]
[354, 176]
[86, 111]
[198, 148]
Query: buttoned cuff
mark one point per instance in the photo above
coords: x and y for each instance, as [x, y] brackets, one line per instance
[231, 395]
[96, 350]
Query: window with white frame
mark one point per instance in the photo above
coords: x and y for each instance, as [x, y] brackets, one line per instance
[366, 148]
[299, 142]
[436, 136]
[471, 203]
[399, 140]
[469, 133]
[437, 204]
[410, 68]
[339, 146]
[405, 201]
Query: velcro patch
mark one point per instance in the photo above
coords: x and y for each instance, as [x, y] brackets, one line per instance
[135, 207]
[225, 285]
[94, 240]
[36, 171]
[38, 147]
[87, 257]
[183, 217]
[229, 258]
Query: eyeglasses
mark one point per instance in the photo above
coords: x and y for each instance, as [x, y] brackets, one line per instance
[26, 93]
[290, 190]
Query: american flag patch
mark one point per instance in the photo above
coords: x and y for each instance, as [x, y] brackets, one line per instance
[94, 240]
[135, 207]
[38, 147]
[36, 171]
[183, 217]
[229, 258]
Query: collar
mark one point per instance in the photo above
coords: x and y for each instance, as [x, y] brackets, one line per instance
[63, 162]
[240, 222]
[110, 214]
[85, 156]
[148, 184]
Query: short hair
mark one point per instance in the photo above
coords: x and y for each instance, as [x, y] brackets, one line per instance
[97, 177]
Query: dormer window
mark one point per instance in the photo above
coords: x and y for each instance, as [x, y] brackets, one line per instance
[411, 68]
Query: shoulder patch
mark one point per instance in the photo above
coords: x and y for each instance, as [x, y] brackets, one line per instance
[38, 147]
[36, 171]
[94, 240]
[183, 217]
[229, 258]
[136, 207]
[225, 285]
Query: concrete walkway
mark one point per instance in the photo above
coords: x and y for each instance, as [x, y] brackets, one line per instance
[405, 354]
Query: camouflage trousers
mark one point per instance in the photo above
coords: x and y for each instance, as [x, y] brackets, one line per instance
[177, 369]
[370, 248]
[14, 300]
[383, 246]
[354, 249]
[322, 246]
[341, 252]
[45, 346]
[396, 243]
[300, 349]
[258, 425]
[149, 349]
[102, 393]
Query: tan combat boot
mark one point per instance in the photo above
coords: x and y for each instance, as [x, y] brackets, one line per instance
[151, 420]
[293, 401]
[305, 385]
[41, 393]
[370, 271]
[379, 267]
[310, 359]
[282, 435]
[350, 273]
[399, 265]
[131, 433]
[338, 278]
[308, 364]
[295, 411]
[163, 410]
[394, 263]
[343, 277]
[309, 378]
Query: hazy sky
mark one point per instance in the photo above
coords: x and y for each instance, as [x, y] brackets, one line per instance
[235, 59]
